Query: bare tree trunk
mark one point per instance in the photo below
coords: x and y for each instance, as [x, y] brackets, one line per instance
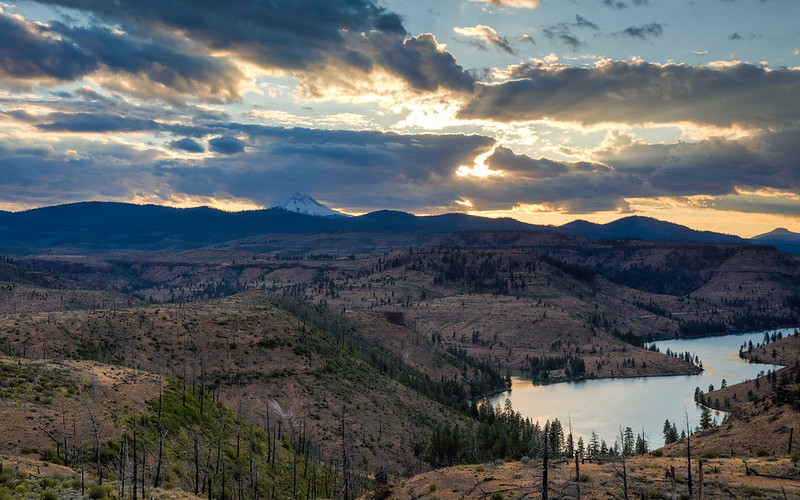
[196, 464]
[688, 452]
[577, 473]
[135, 463]
[700, 478]
[624, 465]
[544, 460]
[96, 441]
[345, 466]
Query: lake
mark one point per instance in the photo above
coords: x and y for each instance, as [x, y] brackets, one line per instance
[640, 403]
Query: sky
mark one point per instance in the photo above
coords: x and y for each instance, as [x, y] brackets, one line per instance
[542, 110]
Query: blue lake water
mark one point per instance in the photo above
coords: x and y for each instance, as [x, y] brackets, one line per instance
[640, 403]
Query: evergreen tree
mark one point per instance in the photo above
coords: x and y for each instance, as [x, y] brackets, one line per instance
[670, 433]
[628, 442]
[706, 420]
[556, 437]
[581, 449]
[594, 446]
[641, 444]
[667, 432]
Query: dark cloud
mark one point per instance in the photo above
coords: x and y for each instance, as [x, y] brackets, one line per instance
[226, 145]
[308, 38]
[28, 55]
[561, 34]
[105, 122]
[187, 145]
[619, 4]
[419, 61]
[417, 173]
[712, 167]
[33, 54]
[584, 23]
[637, 92]
[91, 122]
[643, 32]
[735, 36]
[523, 166]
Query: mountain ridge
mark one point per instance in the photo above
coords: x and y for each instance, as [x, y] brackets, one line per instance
[101, 226]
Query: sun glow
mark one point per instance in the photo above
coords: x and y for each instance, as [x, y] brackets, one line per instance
[480, 168]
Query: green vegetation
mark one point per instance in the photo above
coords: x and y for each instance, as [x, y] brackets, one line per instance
[33, 382]
[540, 367]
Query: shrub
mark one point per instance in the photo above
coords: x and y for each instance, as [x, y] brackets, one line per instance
[49, 495]
[752, 491]
[97, 492]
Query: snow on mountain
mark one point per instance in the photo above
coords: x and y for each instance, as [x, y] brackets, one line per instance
[304, 204]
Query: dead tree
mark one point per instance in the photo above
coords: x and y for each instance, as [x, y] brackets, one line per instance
[544, 460]
[96, 442]
[688, 452]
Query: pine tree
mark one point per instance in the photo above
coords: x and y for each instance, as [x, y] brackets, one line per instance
[594, 446]
[706, 421]
[628, 442]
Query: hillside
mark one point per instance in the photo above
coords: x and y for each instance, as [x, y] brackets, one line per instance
[106, 226]
[371, 342]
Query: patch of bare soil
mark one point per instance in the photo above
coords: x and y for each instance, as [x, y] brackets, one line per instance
[647, 477]
[46, 403]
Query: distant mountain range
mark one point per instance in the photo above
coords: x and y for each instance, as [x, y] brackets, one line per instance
[781, 238]
[645, 228]
[109, 226]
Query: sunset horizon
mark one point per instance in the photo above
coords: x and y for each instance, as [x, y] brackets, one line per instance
[543, 112]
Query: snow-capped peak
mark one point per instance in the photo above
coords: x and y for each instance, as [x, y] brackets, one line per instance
[304, 204]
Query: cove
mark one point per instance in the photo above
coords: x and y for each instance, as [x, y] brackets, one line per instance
[641, 403]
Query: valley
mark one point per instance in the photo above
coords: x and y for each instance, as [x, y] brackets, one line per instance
[352, 351]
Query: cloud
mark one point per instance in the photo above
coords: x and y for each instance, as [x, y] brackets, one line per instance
[523, 166]
[516, 4]
[561, 34]
[620, 4]
[582, 22]
[484, 36]
[188, 145]
[37, 54]
[643, 32]
[712, 167]
[226, 145]
[308, 39]
[28, 56]
[638, 92]
[257, 164]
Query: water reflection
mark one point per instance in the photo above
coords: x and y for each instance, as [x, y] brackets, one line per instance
[640, 403]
